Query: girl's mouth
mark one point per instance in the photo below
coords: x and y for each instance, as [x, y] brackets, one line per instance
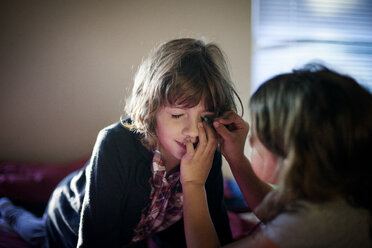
[183, 144]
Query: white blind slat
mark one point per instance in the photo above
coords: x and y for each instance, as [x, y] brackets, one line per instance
[290, 33]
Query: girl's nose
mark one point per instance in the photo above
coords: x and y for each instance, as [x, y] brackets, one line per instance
[191, 129]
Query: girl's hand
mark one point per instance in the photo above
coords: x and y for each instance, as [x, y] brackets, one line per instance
[195, 167]
[196, 163]
[232, 131]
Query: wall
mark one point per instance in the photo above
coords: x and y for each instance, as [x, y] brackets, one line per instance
[67, 66]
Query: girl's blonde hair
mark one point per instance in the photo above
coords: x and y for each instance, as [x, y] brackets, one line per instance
[319, 122]
[180, 72]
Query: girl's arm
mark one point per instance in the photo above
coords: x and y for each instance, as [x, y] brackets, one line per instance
[256, 241]
[199, 229]
[195, 167]
[232, 131]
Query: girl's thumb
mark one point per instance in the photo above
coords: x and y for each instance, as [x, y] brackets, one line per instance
[220, 129]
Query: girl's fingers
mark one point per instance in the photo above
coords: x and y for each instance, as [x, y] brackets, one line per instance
[221, 130]
[189, 147]
[207, 141]
[202, 135]
[227, 118]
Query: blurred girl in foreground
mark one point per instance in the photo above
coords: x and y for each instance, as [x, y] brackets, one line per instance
[315, 126]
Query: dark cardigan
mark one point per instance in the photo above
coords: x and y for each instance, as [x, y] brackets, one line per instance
[101, 204]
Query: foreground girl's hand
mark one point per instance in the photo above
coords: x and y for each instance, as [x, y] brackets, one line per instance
[232, 130]
[196, 163]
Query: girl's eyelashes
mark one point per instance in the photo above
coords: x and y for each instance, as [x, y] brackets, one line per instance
[177, 116]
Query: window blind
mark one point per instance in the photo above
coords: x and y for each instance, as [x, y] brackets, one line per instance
[289, 34]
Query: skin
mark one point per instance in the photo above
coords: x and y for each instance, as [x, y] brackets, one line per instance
[231, 131]
[195, 167]
[176, 126]
[264, 163]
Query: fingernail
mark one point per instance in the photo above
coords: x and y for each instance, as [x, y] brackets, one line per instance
[216, 124]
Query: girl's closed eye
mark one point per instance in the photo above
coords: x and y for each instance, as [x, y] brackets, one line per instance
[177, 116]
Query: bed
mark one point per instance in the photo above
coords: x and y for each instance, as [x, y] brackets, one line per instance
[30, 185]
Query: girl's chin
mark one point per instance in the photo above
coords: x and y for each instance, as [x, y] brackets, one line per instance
[180, 155]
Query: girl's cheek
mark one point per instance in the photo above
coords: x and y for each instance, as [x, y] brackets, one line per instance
[256, 159]
[258, 165]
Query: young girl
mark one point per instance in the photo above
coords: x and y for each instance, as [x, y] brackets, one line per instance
[130, 189]
[315, 125]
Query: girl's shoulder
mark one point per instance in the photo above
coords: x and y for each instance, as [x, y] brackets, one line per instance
[121, 138]
[334, 223]
[119, 128]
[118, 132]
